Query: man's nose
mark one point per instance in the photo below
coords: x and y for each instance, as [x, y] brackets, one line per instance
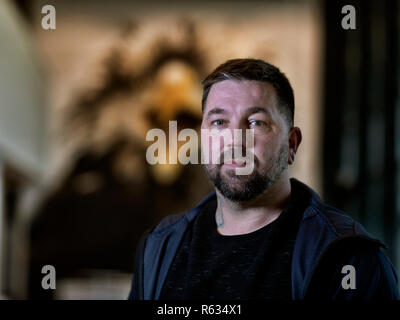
[238, 133]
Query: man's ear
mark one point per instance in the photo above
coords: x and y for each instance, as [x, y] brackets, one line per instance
[294, 142]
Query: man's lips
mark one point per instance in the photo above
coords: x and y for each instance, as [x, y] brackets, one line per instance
[236, 163]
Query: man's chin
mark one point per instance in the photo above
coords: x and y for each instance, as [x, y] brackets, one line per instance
[235, 188]
[241, 188]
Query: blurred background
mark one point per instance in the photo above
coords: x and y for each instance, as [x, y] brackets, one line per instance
[77, 101]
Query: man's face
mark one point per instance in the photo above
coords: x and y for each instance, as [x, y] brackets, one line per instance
[246, 104]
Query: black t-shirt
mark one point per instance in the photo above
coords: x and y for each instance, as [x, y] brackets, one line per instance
[255, 265]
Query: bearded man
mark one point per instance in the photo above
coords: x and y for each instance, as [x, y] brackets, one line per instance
[260, 235]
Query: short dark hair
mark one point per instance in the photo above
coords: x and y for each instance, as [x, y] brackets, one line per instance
[254, 69]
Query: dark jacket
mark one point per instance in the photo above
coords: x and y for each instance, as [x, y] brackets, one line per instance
[325, 235]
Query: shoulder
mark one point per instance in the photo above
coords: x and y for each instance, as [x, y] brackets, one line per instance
[169, 220]
[335, 240]
[366, 266]
[342, 223]
[333, 221]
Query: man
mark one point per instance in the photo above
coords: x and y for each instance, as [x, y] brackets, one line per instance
[260, 235]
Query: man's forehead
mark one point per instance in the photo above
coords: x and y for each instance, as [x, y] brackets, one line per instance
[229, 93]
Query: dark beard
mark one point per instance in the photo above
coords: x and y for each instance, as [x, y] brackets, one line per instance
[251, 186]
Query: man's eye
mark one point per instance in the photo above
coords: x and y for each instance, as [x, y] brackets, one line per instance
[217, 122]
[257, 123]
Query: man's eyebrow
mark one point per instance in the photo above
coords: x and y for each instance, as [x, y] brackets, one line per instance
[253, 110]
[215, 111]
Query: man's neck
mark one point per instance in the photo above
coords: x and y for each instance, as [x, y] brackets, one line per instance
[239, 218]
